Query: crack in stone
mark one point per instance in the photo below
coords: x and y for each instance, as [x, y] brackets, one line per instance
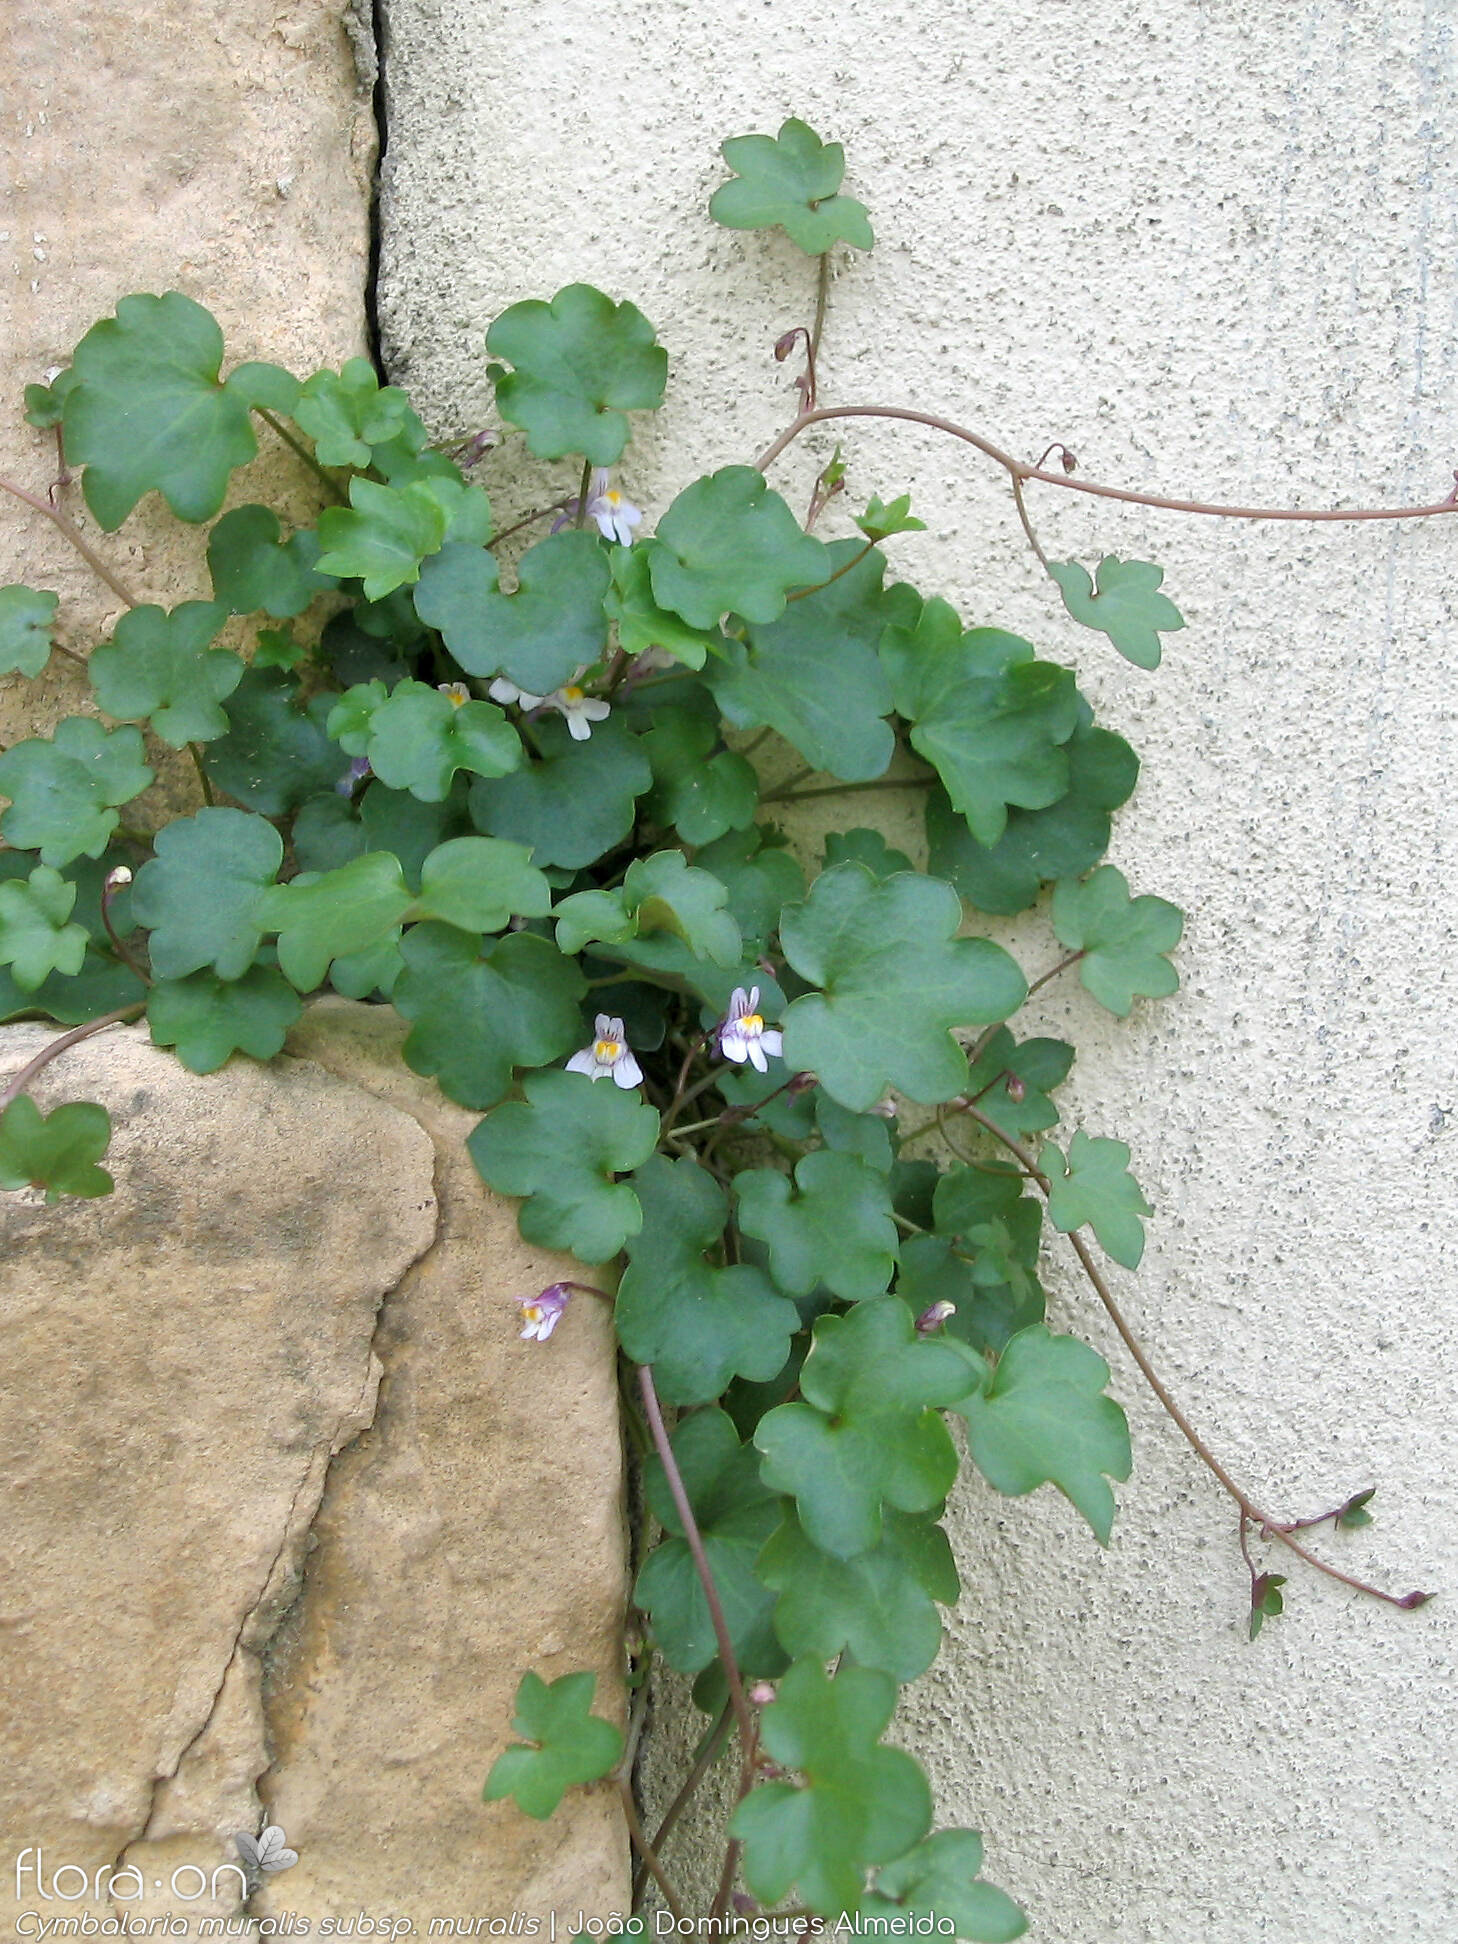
[350, 1425]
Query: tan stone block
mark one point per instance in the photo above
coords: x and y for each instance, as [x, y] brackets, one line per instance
[153, 145]
[292, 1506]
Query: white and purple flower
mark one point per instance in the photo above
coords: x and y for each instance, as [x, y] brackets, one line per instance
[571, 701]
[616, 515]
[613, 513]
[609, 1056]
[579, 708]
[543, 1313]
[744, 1035]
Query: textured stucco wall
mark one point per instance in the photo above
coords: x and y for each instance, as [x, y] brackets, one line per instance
[1211, 248]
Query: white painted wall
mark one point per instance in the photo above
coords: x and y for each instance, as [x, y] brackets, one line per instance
[1213, 249]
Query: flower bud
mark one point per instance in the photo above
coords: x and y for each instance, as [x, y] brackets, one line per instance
[762, 1693]
[117, 878]
[1016, 1091]
[933, 1317]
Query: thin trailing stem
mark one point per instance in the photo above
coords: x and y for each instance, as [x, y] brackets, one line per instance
[48, 1053]
[1272, 1528]
[297, 446]
[530, 519]
[108, 892]
[822, 299]
[68, 527]
[803, 593]
[785, 794]
[748, 1728]
[709, 1752]
[684, 1096]
[787, 788]
[1053, 971]
[202, 774]
[1022, 472]
[644, 1848]
[579, 518]
[1022, 506]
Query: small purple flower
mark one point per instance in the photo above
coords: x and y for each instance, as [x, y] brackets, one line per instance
[744, 1035]
[543, 1313]
[609, 1055]
[358, 770]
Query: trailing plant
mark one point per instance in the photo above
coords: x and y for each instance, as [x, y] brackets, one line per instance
[528, 795]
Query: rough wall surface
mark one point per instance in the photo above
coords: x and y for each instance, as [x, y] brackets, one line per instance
[160, 145]
[284, 1519]
[1210, 248]
[216, 1597]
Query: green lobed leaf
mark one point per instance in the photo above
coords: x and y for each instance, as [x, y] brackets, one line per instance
[728, 544]
[204, 894]
[36, 937]
[662, 892]
[64, 788]
[582, 363]
[867, 1136]
[578, 801]
[45, 405]
[735, 1514]
[868, 848]
[1123, 939]
[879, 1607]
[56, 1151]
[1037, 846]
[562, 1148]
[102, 985]
[814, 675]
[700, 788]
[642, 623]
[1266, 1602]
[208, 1019]
[1039, 1065]
[858, 1803]
[1043, 1419]
[1093, 1188]
[880, 520]
[348, 413]
[698, 1325]
[147, 409]
[866, 1433]
[570, 1744]
[939, 1881]
[416, 737]
[253, 570]
[382, 536]
[479, 884]
[476, 1013]
[538, 637]
[761, 880]
[895, 979]
[26, 620]
[835, 1228]
[159, 667]
[355, 908]
[987, 714]
[1127, 607]
[791, 181]
[277, 752]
